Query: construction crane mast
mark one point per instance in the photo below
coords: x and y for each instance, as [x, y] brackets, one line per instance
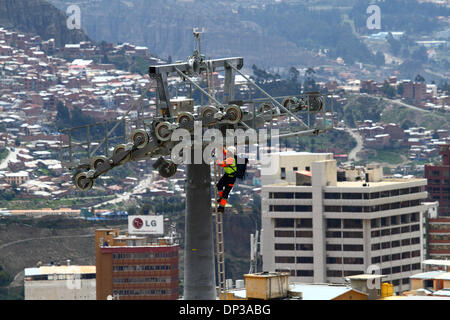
[153, 140]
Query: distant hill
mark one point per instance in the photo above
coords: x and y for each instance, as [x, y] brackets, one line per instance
[38, 17]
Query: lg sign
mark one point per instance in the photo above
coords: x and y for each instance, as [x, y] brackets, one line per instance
[146, 224]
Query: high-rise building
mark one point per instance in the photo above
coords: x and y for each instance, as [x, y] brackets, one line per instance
[130, 268]
[324, 225]
[438, 176]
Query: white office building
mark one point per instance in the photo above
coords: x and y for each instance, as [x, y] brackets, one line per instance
[323, 225]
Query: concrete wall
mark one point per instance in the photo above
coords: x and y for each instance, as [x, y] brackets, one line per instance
[82, 289]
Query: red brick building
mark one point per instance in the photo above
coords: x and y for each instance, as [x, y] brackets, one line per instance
[439, 181]
[128, 268]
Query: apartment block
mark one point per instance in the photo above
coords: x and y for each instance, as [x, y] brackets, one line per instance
[325, 225]
[438, 176]
[130, 268]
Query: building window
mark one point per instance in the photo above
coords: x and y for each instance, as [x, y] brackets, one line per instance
[334, 260]
[374, 195]
[283, 173]
[394, 220]
[405, 229]
[303, 195]
[395, 231]
[405, 281]
[395, 244]
[415, 227]
[406, 255]
[284, 246]
[303, 208]
[386, 271]
[384, 222]
[406, 267]
[333, 209]
[352, 223]
[353, 260]
[333, 223]
[334, 273]
[305, 260]
[375, 234]
[304, 234]
[404, 218]
[354, 234]
[353, 247]
[375, 223]
[281, 195]
[352, 209]
[284, 259]
[304, 246]
[376, 260]
[415, 266]
[284, 223]
[415, 240]
[386, 258]
[386, 245]
[333, 234]
[284, 234]
[406, 242]
[332, 195]
[384, 194]
[305, 273]
[394, 193]
[281, 208]
[396, 257]
[334, 247]
[404, 191]
[376, 246]
[304, 223]
[352, 196]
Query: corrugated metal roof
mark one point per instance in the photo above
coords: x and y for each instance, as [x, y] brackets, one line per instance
[428, 275]
[443, 292]
[319, 292]
[437, 262]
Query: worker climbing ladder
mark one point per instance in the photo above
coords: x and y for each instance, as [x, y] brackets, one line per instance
[220, 252]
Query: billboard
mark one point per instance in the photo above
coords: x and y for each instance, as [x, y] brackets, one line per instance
[146, 225]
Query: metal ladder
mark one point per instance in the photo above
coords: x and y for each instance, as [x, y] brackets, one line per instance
[220, 252]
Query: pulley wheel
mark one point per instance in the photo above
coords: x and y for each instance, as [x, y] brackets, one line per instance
[209, 112]
[185, 117]
[82, 182]
[163, 132]
[120, 148]
[290, 103]
[142, 136]
[98, 161]
[233, 114]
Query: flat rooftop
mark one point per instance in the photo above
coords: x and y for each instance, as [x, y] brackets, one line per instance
[356, 184]
[46, 270]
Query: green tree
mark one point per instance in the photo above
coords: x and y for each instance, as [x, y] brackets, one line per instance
[5, 278]
[388, 90]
